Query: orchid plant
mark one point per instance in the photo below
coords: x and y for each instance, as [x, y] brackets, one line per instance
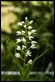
[24, 42]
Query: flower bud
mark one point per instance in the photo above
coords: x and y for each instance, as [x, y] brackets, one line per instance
[26, 18]
[31, 22]
[18, 48]
[17, 55]
[20, 24]
[30, 61]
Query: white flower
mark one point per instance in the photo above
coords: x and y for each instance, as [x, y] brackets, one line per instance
[17, 55]
[24, 26]
[28, 53]
[23, 47]
[33, 42]
[29, 33]
[23, 39]
[33, 46]
[18, 48]
[26, 18]
[18, 33]
[31, 22]
[20, 24]
[30, 61]
[33, 31]
[30, 37]
[29, 27]
[23, 32]
[18, 40]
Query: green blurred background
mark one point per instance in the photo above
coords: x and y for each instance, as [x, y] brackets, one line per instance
[42, 13]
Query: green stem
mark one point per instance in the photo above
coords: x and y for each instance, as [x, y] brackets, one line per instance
[23, 52]
[22, 58]
[36, 58]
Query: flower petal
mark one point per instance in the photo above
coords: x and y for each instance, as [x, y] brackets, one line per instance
[18, 40]
[23, 47]
[18, 48]
[31, 22]
[23, 32]
[20, 24]
[24, 26]
[23, 39]
[33, 42]
[33, 31]
[26, 18]
[17, 55]
[18, 33]
[33, 46]
[28, 53]
[30, 37]
[29, 33]
[30, 61]
[29, 27]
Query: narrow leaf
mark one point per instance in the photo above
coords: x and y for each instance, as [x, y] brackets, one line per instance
[36, 58]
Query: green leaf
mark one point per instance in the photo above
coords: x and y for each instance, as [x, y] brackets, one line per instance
[26, 72]
[8, 49]
[36, 58]
[14, 59]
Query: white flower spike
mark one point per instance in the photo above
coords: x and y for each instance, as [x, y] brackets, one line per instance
[28, 31]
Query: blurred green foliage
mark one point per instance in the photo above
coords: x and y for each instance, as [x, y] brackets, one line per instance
[32, 78]
[42, 13]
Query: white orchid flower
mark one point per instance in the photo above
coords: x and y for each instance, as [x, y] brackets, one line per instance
[33, 42]
[31, 22]
[33, 46]
[28, 53]
[18, 47]
[20, 24]
[23, 47]
[18, 40]
[18, 33]
[17, 55]
[26, 18]
[33, 31]
[23, 39]
[30, 61]
[30, 27]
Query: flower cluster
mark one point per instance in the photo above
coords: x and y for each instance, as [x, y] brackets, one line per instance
[25, 36]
